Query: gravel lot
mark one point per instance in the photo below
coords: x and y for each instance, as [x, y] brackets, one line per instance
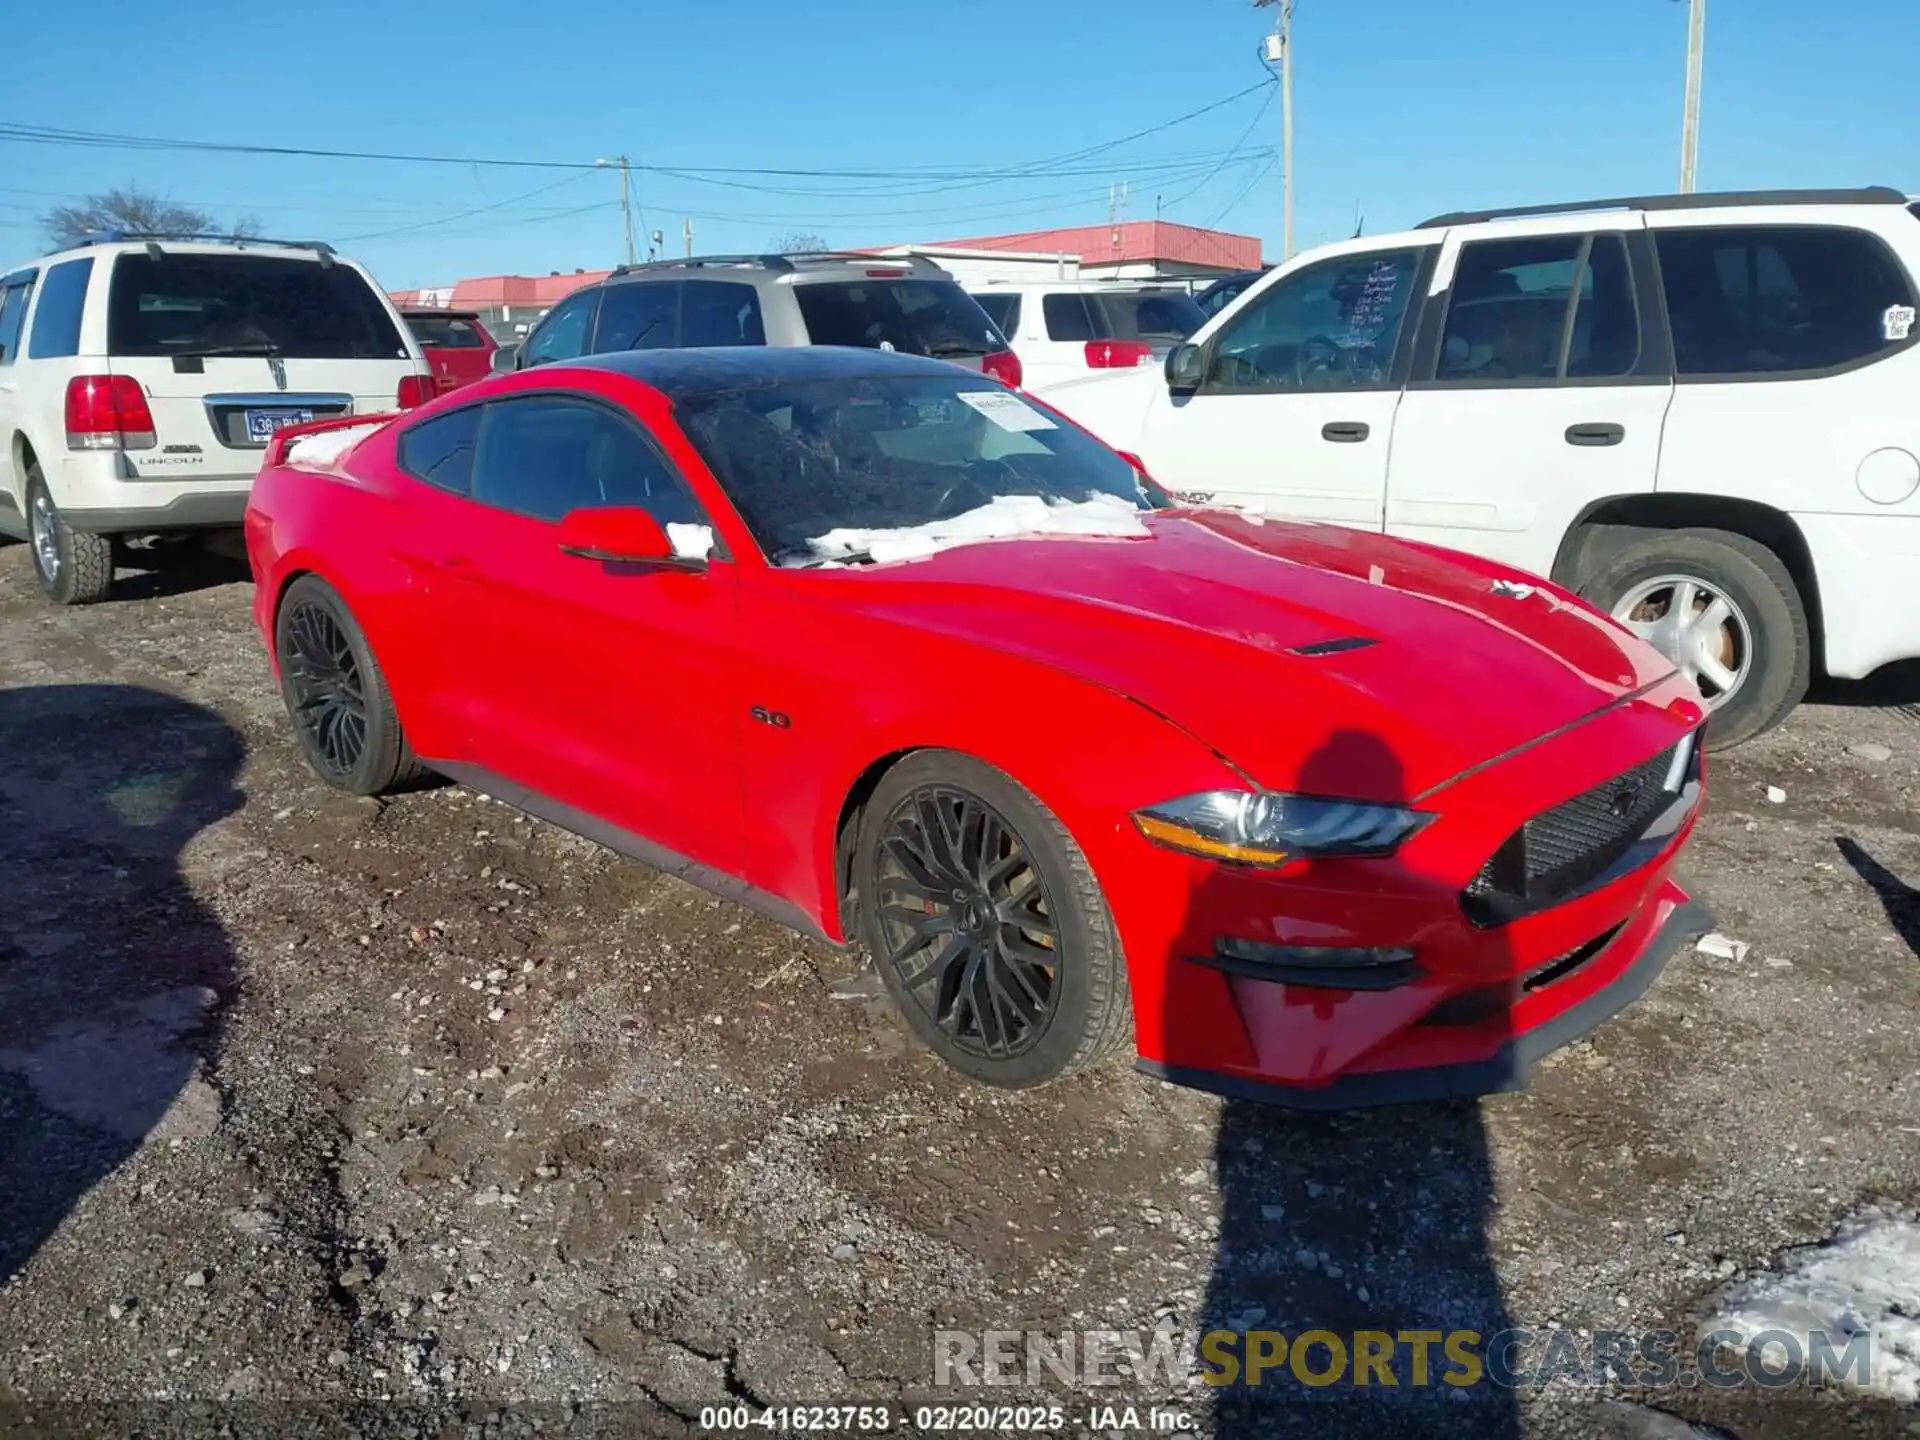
[304, 1099]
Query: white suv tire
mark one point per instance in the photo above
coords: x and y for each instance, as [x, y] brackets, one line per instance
[72, 566]
[1764, 637]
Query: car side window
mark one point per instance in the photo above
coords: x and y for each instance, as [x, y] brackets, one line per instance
[1331, 326]
[1067, 317]
[1779, 299]
[13, 314]
[638, 315]
[543, 455]
[563, 334]
[440, 451]
[56, 320]
[1540, 308]
[718, 312]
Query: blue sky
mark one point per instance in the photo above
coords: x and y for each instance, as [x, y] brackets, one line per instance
[1403, 108]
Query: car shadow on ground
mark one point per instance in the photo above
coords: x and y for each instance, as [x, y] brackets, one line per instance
[1901, 900]
[163, 573]
[112, 974]
[1891, 687]
[1369, 1220]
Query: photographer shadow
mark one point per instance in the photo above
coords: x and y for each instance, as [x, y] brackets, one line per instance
[112, 973]
[1354, 1220]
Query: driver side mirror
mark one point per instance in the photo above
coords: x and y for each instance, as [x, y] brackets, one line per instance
[505, 360]
[628, 535]
[1186, 368]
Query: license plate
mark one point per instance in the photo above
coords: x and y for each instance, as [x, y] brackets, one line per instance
[262, 423]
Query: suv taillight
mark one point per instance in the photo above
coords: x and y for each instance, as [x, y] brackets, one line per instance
[108, 412]
[414, 390]
[1004, 366]
[1117, 354]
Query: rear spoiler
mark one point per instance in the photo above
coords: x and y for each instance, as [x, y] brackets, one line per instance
[284, 437]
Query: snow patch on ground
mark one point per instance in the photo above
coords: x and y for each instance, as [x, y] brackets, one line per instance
[1002, 518]
[1865, 1280]
[327, 446]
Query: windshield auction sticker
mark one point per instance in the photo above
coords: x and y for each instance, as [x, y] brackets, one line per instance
[1009, 412]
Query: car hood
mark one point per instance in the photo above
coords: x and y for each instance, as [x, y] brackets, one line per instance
[1278, 643]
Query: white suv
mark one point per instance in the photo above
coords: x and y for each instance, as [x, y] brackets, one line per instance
[1700, 412]
[1065, 329]
[141, 378]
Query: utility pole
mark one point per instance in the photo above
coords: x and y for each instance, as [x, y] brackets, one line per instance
[1280, 48]
[626, 199]
[686, 230]
[1690, 123]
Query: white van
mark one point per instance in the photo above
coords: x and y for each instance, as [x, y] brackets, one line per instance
[1066, 329]
[140, 379]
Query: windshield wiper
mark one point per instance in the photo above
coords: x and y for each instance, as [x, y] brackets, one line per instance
[260, 347]
[942, 352]
[851, 557]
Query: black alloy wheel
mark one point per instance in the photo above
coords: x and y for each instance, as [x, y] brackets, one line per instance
[969, 924]
[336, 695]
[324, 690]
[988, 928]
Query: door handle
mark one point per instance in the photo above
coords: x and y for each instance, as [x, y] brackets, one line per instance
[1603, 434]
[1345, 432]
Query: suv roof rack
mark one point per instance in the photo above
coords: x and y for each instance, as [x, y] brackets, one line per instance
[117, 236]
[1710, 200]
[781, 264]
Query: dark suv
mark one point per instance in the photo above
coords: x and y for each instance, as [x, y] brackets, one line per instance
[912, 306]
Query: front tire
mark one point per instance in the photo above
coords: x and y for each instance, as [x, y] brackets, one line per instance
[341, 708]
[988, 928]
[73, 567]
[1725, 610]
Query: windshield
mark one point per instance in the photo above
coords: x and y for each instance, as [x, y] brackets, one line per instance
[181, 303]
[842, 470]
[1162, 316]
[447, 332]
[917, 317]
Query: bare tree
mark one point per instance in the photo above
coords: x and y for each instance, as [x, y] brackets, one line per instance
[135, 209]
[800, 242]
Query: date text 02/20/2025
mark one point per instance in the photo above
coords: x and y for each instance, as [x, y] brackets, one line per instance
[946, 1419]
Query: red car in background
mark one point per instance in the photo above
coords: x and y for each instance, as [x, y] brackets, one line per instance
[457, 345]
[902, 658]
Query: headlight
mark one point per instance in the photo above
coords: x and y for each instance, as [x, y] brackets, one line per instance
[1245, 827]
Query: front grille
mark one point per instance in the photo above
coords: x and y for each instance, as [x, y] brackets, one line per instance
[1564, 851]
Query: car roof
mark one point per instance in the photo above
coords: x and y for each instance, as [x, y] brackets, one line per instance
[682, 374]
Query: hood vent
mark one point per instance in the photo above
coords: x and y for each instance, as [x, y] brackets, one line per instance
[1334, 647]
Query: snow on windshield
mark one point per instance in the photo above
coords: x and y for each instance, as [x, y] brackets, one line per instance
[1002, 518]
[327, 446]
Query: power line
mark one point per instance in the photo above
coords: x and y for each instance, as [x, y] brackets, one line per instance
[462, 215]
[25, 133]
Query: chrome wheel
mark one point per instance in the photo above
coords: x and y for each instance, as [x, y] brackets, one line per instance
[44, 524]
[1697, 626]
[324, 688]
[967, 924]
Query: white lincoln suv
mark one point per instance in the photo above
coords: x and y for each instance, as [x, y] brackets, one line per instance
[140, 379]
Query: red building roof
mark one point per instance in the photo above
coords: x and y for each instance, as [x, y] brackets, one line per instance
[522, 289]
[1135, 240]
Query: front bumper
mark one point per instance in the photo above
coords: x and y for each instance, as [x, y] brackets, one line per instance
[1674, 919]
[1454, 1002]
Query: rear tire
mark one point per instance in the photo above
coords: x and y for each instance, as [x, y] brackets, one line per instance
[992, 937]
[73, 567]
[1767, 620]
[336, 695]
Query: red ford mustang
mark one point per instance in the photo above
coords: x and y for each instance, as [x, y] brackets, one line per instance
[901, 657]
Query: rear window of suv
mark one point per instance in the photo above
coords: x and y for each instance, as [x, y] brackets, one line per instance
[1156, 316]
[918, 317]
[447, 332]
[199, 303]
